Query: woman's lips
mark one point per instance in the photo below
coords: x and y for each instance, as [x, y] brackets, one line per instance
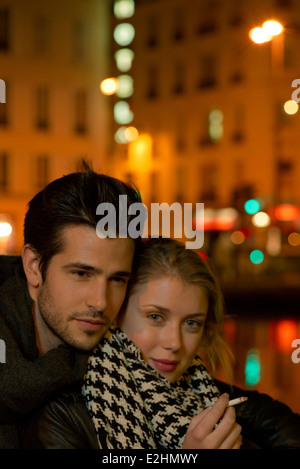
[164, 365]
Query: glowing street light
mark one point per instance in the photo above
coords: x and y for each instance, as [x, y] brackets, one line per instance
[272, 27]
[263, 34]
[259, 36]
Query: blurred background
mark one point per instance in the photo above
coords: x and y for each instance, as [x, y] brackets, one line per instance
[194, 102]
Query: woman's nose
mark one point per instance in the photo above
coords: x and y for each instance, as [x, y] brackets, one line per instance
[172, 338]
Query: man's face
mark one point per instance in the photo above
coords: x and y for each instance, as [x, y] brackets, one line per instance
[84, 288]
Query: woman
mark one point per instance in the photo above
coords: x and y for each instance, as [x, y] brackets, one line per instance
[146, 387]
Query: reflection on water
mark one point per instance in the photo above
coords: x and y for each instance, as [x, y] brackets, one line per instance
[263, 352]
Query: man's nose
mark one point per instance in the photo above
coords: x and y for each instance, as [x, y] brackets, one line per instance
[97, 295]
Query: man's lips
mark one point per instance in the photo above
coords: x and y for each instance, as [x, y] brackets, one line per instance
[91, 323]
[164, 365]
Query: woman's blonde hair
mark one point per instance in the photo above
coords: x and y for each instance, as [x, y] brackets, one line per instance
[161, 257]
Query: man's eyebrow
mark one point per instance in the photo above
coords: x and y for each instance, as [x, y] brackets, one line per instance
[82, 266]
[90, 268]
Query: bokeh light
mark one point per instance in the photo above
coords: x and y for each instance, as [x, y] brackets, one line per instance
[5, 229]
[122, 113]
[272, 28]
[259, 35]
[252, 206]
[256, 256]
[290, 107]
[124, 58]
[294, 239]
[124, 8]
[237, 237]
[124, 34]
[109, 86]
[261, 219]
[125, 86]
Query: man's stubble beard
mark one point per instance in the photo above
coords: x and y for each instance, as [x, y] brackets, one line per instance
[59, 326]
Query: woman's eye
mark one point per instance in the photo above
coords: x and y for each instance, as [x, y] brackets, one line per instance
[194, 324]
[154, 317]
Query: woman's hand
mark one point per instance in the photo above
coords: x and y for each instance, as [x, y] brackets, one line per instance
[202, 434]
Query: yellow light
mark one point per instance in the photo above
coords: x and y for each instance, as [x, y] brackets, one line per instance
[5, 229]
[259, 35]
[272, 27]
[290, 107]
[109, 86]
[261, 219]
[131, 133]
[294, 239]
[140, 153]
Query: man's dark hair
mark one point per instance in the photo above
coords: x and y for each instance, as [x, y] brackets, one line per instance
[70, 200]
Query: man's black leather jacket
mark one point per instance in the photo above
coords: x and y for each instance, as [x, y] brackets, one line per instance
[66, 424]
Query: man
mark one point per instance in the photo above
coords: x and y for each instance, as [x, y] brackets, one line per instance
[59, 298]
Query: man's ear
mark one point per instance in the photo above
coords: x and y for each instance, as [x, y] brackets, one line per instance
[31, 261]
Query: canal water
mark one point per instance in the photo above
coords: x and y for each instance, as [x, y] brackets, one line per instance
[267, 355]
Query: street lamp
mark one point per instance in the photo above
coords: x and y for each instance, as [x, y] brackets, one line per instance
[266, 32]
[272, 31]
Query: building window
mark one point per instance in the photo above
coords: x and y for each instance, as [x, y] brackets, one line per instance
[42, 108]
[239, 125]
[207, 23]
[152, 90]
[179, 78]
[207, 72]
[42, 171]
[180, 184]
[3, 171]
[209, 183]
[81, 112]
[41, 35]
[79, 36]
[152, 32]
[178, 29]
[4, 29]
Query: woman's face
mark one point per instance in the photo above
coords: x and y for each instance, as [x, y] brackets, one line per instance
[165, 318]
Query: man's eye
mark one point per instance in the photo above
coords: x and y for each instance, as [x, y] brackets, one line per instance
[120, 280]
[81, 273]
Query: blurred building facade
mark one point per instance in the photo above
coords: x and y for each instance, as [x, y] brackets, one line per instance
[211, 102]
[53, 56]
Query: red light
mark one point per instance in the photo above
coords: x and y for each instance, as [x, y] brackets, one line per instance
[286, 212]
[282, 334]
[204, 256]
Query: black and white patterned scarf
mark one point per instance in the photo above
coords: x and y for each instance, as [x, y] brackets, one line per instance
[132, 406]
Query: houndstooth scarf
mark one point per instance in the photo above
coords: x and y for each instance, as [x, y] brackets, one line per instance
[132, 406]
